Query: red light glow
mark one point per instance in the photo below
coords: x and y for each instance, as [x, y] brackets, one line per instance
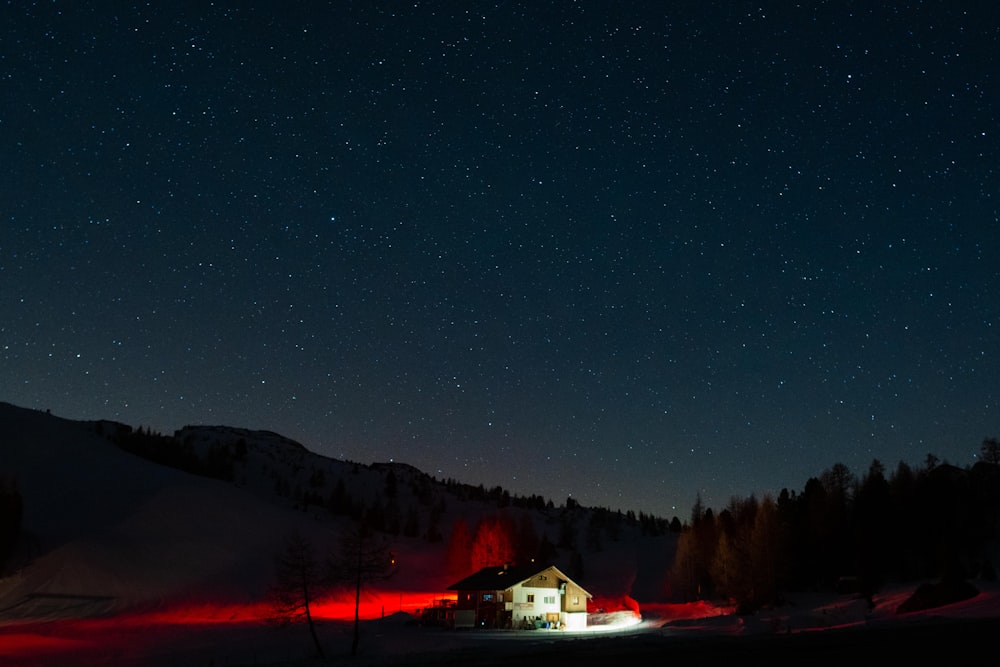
[130, 636]
[376, 604]
[624, 603]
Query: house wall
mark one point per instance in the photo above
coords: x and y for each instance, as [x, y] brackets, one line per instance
[535, 602]
[488, 608]
[575, 599]
[545, 579]
[575, 620]
[466, 599]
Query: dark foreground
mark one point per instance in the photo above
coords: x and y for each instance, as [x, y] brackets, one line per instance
[890, 643]
[936, 641]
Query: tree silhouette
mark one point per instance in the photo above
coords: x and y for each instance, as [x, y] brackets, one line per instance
[766, 549]
[361, 558]
[990, 451]
[493, 543]
[937, 520]
[725, 568]
[873, 526]
[298, 580]
[695, 555]
[687, 564]
[458, 560]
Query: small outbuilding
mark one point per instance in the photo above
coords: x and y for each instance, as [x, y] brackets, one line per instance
[520, 597]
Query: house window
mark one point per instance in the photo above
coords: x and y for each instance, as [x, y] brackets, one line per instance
[550, 599]
[487, 597]
[531, 597]
[576, 600]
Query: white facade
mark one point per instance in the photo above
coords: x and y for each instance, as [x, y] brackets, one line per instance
[531, 604]
[543, 605]
[576, 620]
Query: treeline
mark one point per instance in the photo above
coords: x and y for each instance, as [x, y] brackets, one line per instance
[497, 495]
[855, 534]
[386, 512]
[218, 461]
[601, 518]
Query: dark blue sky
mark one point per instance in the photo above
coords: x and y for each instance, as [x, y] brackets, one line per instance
[631, 252]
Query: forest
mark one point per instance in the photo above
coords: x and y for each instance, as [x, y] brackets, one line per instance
[845, 533]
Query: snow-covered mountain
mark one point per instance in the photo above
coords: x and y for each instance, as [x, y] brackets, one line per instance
[106, 530]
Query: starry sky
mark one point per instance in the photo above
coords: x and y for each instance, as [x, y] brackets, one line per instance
[628, 252]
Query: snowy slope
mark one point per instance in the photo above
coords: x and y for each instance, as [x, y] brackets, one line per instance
[107, 530]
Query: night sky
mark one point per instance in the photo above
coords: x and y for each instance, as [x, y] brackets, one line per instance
[628, 252]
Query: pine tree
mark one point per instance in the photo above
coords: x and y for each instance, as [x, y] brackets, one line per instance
[766, 550]
[686, 573]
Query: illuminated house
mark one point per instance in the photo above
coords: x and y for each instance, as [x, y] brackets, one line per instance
[520, 597]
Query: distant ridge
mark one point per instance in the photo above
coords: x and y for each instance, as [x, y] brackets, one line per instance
[260, 435]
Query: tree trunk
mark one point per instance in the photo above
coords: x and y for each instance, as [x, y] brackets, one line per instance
[312, 626]
[357, 603]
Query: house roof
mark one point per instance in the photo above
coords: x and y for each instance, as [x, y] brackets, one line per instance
[504, 577]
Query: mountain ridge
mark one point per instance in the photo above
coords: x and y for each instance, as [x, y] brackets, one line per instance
[104, 524]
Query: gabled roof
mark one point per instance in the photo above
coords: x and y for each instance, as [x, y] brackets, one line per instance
[495, 578]
[504, 577]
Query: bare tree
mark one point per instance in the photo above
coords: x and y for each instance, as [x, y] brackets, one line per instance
[362, 558]
[298, 580]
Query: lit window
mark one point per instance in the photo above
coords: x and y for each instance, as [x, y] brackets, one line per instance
[487, 597]
[576, 600]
